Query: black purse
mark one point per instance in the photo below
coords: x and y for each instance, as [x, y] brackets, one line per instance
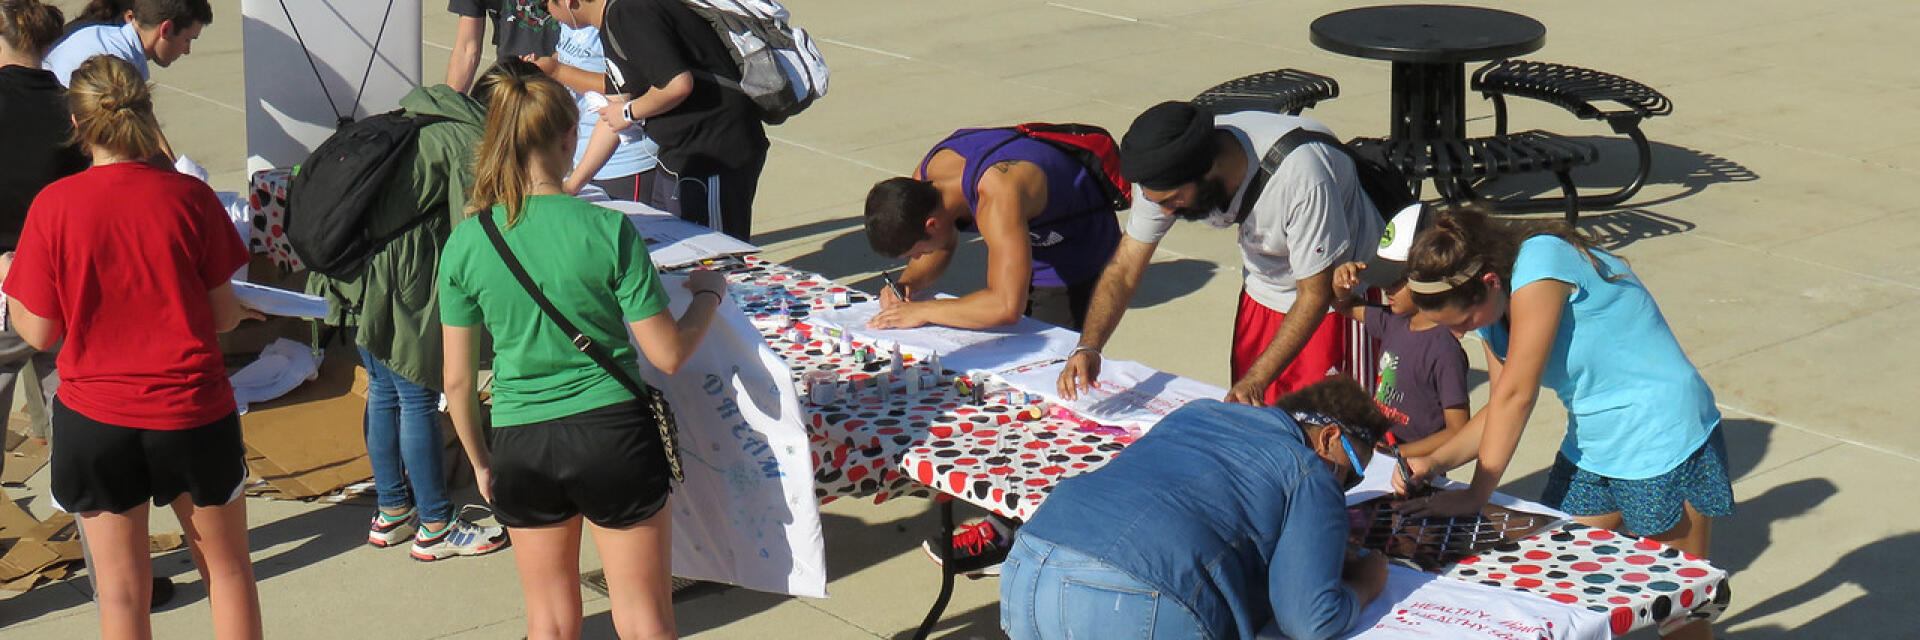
[655, 401]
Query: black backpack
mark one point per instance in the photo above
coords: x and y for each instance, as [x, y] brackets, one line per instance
[331, 194]
[1385, 185]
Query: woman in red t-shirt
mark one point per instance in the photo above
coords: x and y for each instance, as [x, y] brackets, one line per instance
[128, 262]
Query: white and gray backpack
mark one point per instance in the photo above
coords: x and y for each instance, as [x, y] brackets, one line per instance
[780, 67]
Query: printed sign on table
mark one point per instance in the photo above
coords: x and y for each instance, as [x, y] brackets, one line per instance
[746, 514]
[1422, 605]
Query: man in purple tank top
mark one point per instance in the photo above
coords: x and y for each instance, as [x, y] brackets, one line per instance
[1048, 226]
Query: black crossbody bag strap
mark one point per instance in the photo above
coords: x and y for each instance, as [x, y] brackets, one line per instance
[654, 402]
[1270, 163]
[580, 340]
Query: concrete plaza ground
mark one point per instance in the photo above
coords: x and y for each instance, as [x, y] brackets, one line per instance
[1783, 200]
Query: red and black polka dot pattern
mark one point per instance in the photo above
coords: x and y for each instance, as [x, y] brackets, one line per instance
[1637, 582]
[863, 446]
[987, 456]
[267, 200]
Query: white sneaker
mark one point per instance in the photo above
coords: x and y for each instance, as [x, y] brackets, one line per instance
[459, 538]
[387, 530]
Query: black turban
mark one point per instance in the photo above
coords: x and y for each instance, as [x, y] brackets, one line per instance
[1169, 145]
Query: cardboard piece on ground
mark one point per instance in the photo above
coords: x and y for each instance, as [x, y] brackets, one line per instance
[25, 453]
[309, 441]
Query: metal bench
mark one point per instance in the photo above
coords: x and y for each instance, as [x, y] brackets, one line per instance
[1281, 91]
[1587, 94]
[1453, 165]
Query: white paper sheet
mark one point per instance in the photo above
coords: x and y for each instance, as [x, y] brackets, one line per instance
[960, 349]
[1127, 393]
[280, 302]
[673, 242]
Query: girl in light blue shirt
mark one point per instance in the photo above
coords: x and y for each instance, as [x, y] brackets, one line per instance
[1643, 451]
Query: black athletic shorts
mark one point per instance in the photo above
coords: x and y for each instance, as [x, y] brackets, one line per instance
[103, 467]
[605, 464]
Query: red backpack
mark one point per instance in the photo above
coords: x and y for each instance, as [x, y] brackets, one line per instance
[1090, 145]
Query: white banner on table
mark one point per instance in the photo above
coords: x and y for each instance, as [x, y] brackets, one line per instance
[673, 242]
[1127, 393]
[746, 514]
[960, 350]
[1422, 605]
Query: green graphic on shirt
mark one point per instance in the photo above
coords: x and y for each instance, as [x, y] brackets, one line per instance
[1387, 392]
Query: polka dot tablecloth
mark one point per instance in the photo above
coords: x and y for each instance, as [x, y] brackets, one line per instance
[1636, 582]
[910, 444]
[934, 441]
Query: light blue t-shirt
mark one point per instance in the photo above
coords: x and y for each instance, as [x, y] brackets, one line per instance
[121, 42]
[580, 48]
[1636, 406]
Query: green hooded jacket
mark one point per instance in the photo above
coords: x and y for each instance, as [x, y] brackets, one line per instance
[394, 302]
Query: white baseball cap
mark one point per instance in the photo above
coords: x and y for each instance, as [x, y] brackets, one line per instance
[1389, 262]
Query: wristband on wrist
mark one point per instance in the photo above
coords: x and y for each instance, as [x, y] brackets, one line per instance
[716, 294]
[1077, 350]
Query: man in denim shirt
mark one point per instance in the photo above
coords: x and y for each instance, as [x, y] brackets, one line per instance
[1224, 521]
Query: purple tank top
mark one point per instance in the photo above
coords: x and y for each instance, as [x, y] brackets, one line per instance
[1075, 235]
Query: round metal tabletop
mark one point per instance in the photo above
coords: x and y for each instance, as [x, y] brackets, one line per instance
[1429, 33]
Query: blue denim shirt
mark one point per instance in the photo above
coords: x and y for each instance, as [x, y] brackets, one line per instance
[1224, 508]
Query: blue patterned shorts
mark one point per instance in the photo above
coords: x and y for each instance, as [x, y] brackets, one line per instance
[1653, 505]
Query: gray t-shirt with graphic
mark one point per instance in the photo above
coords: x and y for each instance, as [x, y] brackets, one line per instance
[1421, 373]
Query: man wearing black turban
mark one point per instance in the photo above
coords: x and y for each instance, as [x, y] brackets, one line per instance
[1309, 215]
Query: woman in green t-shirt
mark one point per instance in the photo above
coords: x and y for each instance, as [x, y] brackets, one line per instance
[570, 441]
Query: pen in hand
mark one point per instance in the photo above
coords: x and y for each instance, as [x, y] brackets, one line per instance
[891, 286]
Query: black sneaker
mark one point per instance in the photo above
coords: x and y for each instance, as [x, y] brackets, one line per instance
[978, 550]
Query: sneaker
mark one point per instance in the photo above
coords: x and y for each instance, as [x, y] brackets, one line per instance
[387, 530]
[459, 538]
[978, 550]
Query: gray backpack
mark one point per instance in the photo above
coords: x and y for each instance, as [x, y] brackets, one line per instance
[780, 67]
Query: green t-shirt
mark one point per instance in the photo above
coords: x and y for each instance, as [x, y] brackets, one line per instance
[592, 264]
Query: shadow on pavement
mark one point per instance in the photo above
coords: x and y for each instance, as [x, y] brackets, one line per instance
[1690, 169]
[852, 546]
[1882, 571]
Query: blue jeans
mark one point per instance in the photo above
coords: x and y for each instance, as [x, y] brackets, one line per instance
[1048, 592]
[403, 442]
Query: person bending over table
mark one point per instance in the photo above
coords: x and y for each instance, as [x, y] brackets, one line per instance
[1048, 226]
[1049, 229]
[1224, 521]
[1310, 216]
[1643, 451]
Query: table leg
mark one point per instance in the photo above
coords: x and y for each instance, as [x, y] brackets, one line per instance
[945, 548]
[1429, 101]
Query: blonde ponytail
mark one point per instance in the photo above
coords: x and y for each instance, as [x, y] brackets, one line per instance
[527, 114]
[113, 108]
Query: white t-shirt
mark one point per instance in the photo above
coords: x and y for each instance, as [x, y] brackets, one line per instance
[1311, 215]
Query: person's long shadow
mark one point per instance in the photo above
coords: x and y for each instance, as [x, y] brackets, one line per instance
[852, 546]
[1882, 571]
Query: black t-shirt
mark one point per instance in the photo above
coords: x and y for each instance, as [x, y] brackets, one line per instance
[648, 43]
[520, 27]
[37, 135]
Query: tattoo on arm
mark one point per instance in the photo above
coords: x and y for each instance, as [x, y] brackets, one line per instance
[1004, 166]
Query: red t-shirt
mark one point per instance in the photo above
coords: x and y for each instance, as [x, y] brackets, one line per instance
[123, 257]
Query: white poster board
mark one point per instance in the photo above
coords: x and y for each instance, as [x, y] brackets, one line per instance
[288, 112]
